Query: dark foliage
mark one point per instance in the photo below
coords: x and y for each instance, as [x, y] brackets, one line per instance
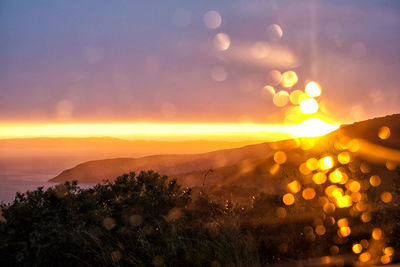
[150, 220]
[135, 220]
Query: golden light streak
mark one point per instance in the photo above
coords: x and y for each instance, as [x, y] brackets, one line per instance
[314, 127]
[165, 131]
[376, 153]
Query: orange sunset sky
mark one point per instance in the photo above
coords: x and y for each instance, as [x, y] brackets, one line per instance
[177, 70]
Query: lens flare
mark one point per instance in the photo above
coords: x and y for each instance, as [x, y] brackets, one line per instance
[312, 164]
[274, 77]
[344, 231]
[281, 98]
[342, 222]
[308, 193]
[377, 233]
[386, 197]
[385, 259]
[274, 32]
[289, 79]
[294, 186]
[280, 157]
[314, 127]
[313, 89]
[388, 251]
[320, 230]
[364, 257]
[222, 41]
[384, 133]
[267, 92]
[212, 19]
[344, 202]
[354, 186]
[335, 176]
[296, 97]
[309, 106]
[375, 180]
[344, 157]
[357, 248]
[329, 208]
[326, 163]
[319, 178]
[288, 199]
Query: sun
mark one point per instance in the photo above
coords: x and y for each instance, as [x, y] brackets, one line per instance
[313, 127]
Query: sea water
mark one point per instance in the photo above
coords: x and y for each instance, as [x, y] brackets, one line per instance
[20, 174]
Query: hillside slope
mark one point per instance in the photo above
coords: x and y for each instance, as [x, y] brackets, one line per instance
[246, 170]
[98, 170]
[250, 177]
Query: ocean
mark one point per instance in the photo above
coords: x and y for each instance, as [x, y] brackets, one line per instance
[19, 174]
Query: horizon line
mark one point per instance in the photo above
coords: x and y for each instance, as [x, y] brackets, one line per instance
[166, 131]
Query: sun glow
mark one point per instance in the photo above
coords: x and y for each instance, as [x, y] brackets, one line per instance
[170, 131]
[313, 127]
[309, 106]
[313, 89]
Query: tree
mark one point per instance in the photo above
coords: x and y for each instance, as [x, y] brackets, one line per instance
[67, 224]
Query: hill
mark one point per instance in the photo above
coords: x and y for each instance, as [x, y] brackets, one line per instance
[241, 172]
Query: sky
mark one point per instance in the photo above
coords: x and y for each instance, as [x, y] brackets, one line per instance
[129, 61]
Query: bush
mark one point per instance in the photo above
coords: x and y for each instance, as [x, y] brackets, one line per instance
[135, 220]
[149, 220]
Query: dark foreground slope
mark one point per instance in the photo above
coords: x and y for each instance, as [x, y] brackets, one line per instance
[148, 220]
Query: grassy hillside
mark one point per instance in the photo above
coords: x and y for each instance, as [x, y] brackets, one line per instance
[252, 168]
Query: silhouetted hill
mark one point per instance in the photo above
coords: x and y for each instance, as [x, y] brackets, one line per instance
[368, 130]
[98, 170]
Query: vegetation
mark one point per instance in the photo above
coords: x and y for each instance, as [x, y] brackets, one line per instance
[147, 219]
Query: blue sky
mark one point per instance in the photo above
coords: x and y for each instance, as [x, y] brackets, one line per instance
[151, 60]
